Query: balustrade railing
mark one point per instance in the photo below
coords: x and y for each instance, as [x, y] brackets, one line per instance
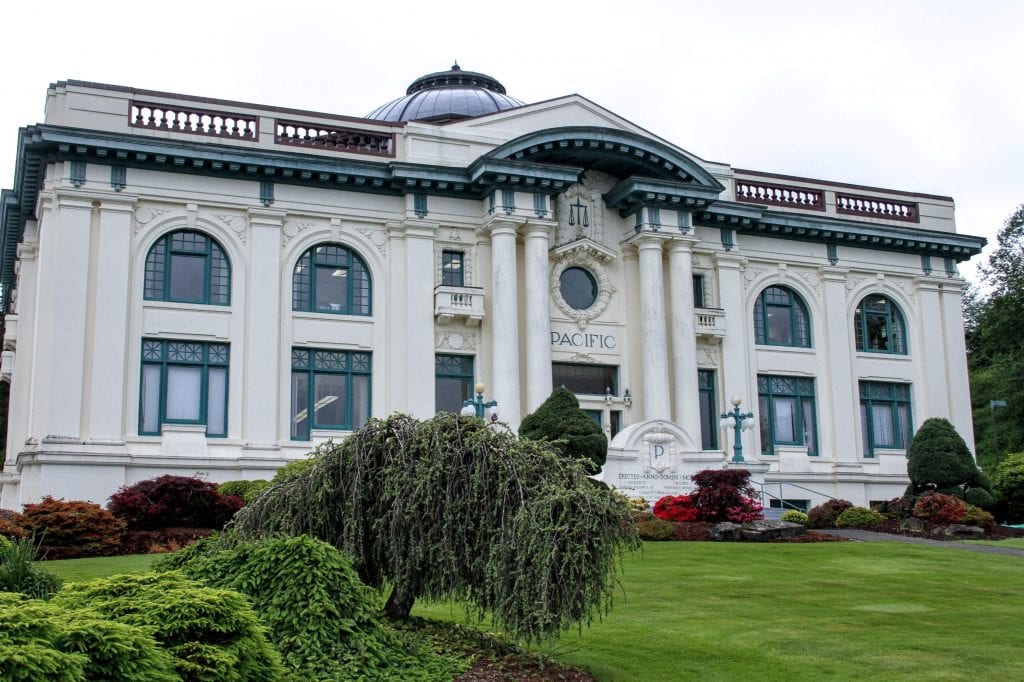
[780, 195]
[710, 322]
[334, 138]
[451, 302]
[874, 207]
[191, 120]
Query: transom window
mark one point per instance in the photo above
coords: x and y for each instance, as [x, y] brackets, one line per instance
[786, 406]
[453, 269]
[330, 390]
[780, 318]
[453, 381]
[183, 382]
[330, 278]
[188, 267]
[578, 288]
[884, 416]
[586, 379]
[878, 326]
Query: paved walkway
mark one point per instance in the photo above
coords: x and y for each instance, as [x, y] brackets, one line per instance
[868, 536]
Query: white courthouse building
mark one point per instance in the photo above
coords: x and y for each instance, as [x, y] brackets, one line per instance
[206, 287]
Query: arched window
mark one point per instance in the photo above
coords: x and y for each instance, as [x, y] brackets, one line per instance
[780, 319]
[188, 267]
[878, 326]
[330, 278]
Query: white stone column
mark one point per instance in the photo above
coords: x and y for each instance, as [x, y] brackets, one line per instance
[419, 317]
[932, 354]
[108, 350]
[654, 339]
[736, 377]
[263, 353]
[538, 315]
[686, 409]
[64, 279]
[505, 322]
[19, 419]
[956, 361]
[839, 383]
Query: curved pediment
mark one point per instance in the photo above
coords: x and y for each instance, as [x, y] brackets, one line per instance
[615, 152]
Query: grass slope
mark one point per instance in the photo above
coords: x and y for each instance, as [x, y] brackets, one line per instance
[74, 570]
[714, 611]
[1013, 543]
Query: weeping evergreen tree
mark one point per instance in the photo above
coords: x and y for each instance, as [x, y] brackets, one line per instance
[452, 508]
[560, 421]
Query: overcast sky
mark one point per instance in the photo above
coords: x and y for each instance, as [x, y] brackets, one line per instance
[921, 96]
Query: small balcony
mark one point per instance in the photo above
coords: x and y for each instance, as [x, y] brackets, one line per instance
[710, 323]
[465, 303]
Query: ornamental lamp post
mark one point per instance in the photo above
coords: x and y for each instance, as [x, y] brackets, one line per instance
[739, 422]
[476, 407]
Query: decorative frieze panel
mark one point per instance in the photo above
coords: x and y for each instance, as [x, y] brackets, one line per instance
[455, 341]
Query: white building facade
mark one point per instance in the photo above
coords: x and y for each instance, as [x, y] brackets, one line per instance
[210, 288]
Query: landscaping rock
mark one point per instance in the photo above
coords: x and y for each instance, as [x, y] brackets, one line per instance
[726, 531]
[912, 524]
[961, 531]
[761, 531]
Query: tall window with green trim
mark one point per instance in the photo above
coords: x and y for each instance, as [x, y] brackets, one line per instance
[781, 319]
[878, 326]
[331, 278]
[885, 418]
[453, 381]
[330, 390]
[708, 409]
[183, 382]
[453, 270]
[188, 267]
[787, 415]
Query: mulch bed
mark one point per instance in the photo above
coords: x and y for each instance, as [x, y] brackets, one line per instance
[938, 533]
[520, 667]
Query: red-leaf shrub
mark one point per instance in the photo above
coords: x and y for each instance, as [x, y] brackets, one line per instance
[72, 529]
[162, 540]
[940, 509]
[725, 495]
[173, 501]
[12, 525]
[825, 514]
[678, 508]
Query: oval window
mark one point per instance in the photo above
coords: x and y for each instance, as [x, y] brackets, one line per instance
[578, 287]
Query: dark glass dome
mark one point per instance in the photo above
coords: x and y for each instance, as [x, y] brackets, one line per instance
[447, 96]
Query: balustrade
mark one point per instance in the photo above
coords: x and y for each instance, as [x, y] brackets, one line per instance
[191, 120]
[710, 323]
[334, 139]
[875, 207]
[464, 302]
[779, 195]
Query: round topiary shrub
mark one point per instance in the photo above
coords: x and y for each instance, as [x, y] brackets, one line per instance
[794, 516]
[173, 501]
[825, 514]
[72, 529]
[678, 508]
[858, 517]
[560, 422]
[939, 509]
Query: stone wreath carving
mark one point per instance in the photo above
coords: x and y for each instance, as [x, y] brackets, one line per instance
[585, 256]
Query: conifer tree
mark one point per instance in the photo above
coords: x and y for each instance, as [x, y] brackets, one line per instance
[560, 422]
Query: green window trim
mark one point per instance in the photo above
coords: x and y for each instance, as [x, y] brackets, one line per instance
[331, 278]
[786, 402]
[452, 370]
[708, 402]
[314, 368]
[586, 379]
[887, 419]
[163, 363]
[453, 268]
[791, 324]
[879, 326]
[186, 266]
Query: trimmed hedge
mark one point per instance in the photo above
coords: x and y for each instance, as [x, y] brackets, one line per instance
[858, 517]
[794, 516]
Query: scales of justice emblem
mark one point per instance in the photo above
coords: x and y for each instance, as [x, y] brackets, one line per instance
[659, 451]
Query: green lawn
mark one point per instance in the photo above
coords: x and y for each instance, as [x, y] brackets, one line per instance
[878, 611]
[85, 569]
[1015, 543]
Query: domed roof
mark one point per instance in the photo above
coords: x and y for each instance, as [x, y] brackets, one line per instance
[447, 96]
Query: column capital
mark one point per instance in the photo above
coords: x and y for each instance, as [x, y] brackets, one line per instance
[734, 261]
[682, 243]
[538, 230]
[266, 217]
[831, 273]
[502, 223]
[932, 284]
[647, 241]
[118, 203]
[415, 228]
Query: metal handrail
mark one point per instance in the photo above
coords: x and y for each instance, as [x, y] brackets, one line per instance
[765, 493]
